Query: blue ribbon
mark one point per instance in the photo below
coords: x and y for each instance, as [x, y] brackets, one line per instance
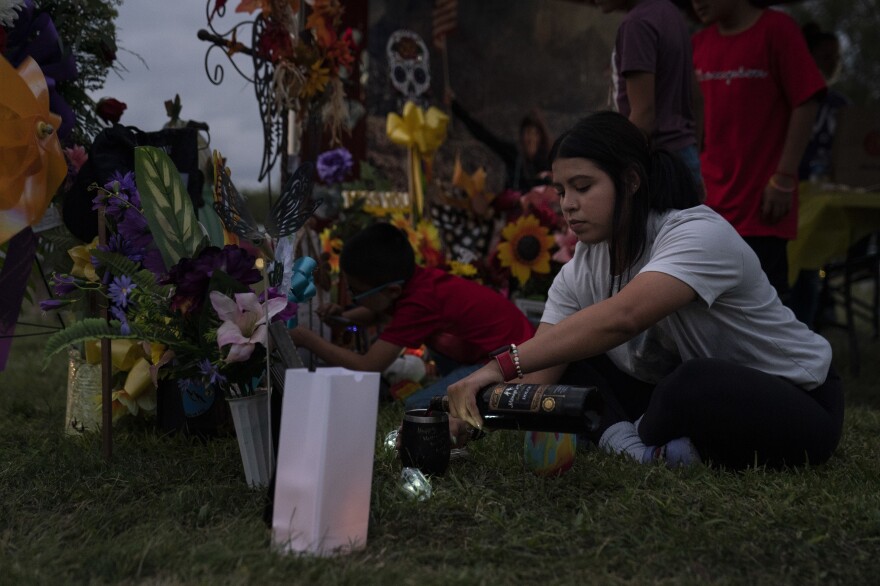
[302, 283]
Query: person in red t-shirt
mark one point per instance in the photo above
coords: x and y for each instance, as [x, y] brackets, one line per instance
[760, 88]
[460, 321]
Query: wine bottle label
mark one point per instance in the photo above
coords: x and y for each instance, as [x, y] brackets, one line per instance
[519, 398]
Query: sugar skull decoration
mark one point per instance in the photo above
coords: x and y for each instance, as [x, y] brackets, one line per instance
[409, 66]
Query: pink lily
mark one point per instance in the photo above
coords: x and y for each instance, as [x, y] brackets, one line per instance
[244, 322]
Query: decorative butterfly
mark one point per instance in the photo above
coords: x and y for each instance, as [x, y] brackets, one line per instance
[288, 214]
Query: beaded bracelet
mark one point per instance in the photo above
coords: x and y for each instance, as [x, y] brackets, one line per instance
[515, 354]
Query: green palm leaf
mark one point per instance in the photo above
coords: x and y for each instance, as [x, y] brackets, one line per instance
[166, 204]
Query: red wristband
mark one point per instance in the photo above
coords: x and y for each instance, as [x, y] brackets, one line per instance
[505, 362]
[507, 358]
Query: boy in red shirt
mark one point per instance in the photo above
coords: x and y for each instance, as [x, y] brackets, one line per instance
[460, 321]
[760, 88]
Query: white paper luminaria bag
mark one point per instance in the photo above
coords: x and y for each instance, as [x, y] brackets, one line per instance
[324, 472]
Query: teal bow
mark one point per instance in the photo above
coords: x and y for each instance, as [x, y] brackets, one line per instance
[302, 283]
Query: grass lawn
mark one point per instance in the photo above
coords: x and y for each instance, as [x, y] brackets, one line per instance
[173, 510]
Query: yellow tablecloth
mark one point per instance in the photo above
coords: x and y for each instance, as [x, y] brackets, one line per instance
[829, 222]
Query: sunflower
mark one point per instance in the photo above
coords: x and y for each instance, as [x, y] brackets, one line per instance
[331, 247]
[525, 247]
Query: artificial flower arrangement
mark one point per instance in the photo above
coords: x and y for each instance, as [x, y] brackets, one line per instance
[180, 307]
[309, 68]
[518, 241]
[533, 244]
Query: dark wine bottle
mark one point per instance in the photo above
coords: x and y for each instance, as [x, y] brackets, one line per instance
[532, 407]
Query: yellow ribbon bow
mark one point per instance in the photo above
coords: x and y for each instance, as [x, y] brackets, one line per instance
[422, 133]
[32, 165]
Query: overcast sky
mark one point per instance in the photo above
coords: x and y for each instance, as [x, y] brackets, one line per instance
[159, 48]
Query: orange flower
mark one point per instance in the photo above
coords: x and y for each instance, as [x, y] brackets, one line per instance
[525, 247]
[324, 35]
[250, 6]
[331, 247]
[424, 239]
[403, 223]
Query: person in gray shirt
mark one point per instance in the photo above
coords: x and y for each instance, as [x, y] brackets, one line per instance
[665, 308]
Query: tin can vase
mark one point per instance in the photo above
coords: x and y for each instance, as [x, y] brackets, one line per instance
[250, 416]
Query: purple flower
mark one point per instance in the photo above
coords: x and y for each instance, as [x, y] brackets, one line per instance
[192, 276]
[117, 243]
[123, 183]
[285, 314]
[120, 289]
[119, 314]
[211, 372]
[133, 227]
[122, 196]
[63, 285]
[334, 165]
[52, 304]
[153, 262]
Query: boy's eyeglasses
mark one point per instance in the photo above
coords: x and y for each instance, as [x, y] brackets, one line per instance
[370, 292]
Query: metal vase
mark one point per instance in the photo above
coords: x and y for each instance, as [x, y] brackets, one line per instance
[250, 415]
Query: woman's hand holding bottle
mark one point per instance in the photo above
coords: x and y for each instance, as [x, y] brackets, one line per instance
[463, 394]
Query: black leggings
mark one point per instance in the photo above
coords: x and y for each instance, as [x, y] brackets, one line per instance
[736, 416]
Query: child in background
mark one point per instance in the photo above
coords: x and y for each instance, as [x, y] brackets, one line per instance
[525, 161]
[653, 75]
[460, 321]
[759, 86]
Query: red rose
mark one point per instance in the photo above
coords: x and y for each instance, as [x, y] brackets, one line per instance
[110, 110]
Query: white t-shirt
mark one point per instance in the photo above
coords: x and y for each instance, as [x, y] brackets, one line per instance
[737, 315]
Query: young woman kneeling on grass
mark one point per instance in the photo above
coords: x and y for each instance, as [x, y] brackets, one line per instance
[666, 309]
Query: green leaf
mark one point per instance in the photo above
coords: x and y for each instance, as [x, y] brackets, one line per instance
[167, 206]
[82, 331]
[143, 278]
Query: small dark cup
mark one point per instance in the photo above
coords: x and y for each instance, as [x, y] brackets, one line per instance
[424, 441]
